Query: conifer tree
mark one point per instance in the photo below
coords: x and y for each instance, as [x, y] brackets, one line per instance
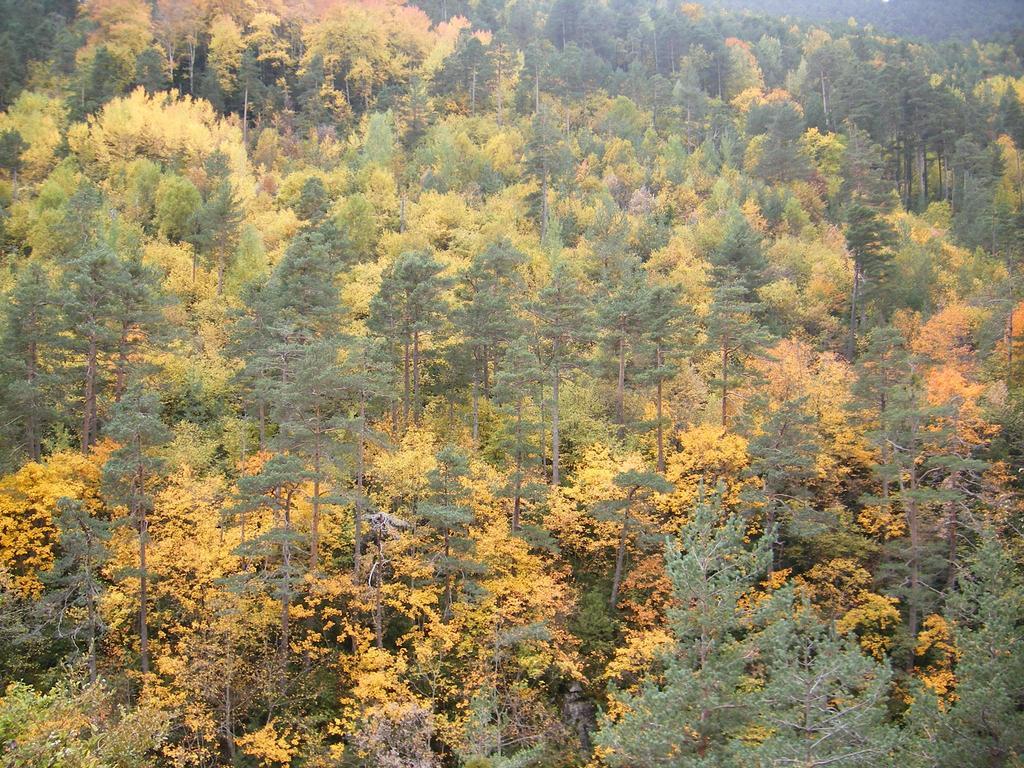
[93, 280]
[490, 288]
[869, 239]
[982, 724]
[565, 328]
[76, 582]
[130, 473]
[695, 714]
[733, 335]
[822, 701]
[30, 338]
[519, 374]
[408, 307]
[447, 516]
[274, 488]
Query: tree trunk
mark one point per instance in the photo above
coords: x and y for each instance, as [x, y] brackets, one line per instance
[378, 603]
[544, 207]
[89, 406]
[517, 492]
[554, 426]
[658, 403]
[476, 410]
[416, 377]
[824, 98]
[360, 458]
[620, 390]
[620, 556]
[314, 519]
[851, 342]
[32, 426]
[922, 171]
[406, 385]
[245, 118]
[725, 385]
[286, 563]
[143, 591]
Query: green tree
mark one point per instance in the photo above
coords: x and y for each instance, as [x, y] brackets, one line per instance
[822, 701]
[564, 319]
[491, 289]
[983, 725]
[31, 323]
[75, 583]
[409, 306]
[695, 713]
[520, 374]
[870, 239]
[12, 145]
[447, 516]
[733, 335]
[130, 474]
[218, 219]
[177, 203]
[274, 489]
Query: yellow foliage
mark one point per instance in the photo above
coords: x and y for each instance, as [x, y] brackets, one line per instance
[874, 622]
[403, 472]
[163, 127]
[570, 507]
[707, 457]
[268, 746]
[39, 120]
[28, 505]
[633, 662]
[937, 654]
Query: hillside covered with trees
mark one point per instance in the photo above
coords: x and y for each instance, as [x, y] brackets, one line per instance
[507, 384]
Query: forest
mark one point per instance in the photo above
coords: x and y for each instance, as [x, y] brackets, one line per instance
[510, 384]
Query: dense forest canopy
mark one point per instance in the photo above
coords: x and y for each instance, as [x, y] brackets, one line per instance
[935, 20]
[506, 384]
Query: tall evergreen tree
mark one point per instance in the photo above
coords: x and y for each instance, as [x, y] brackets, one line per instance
[823, 701]
[733, 335]
[564, 322]
[410, 306]
[30, 339]
[870, 239]
[491, 289]
[694, 716]
[130, 473]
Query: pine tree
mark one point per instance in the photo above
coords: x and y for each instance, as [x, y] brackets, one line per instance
[696, 714]
[447, 516]
[623, 316]
[490, 288]
[869, 239]
[410, 306]
[366, 381]
[983, 724]
[733, 335]
[94, 279]
[274, 488]
[912, 469]
[564, 321]
[519, 374]
[75, 583]
[822, 700]
[130, 474]
[29, 341]
[218, 219]
[739, 258]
